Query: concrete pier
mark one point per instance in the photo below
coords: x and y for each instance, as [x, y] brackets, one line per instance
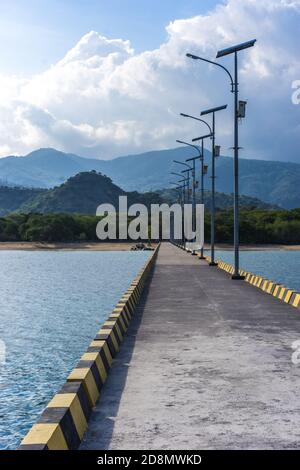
[206, 364]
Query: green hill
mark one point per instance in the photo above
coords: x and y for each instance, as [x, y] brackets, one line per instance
[11, 198]
[81, 194]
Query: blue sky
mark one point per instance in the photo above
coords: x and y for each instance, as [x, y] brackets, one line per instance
[108, 78]
[36, 33]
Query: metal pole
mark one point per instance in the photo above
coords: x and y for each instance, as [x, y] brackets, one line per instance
[202, 188]
[188, 187]
[236, 274]
[184, 201]
[194, 199]
[182, 220]
[194, 194]
[213, 176]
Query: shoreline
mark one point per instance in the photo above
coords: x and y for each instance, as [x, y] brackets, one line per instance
[126, 246]
[258, 247]
[40, 246]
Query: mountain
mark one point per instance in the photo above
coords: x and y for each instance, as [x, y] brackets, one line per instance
[274, 182]
[44, 168]
[11, 198]
[84, 192]
[81, 193]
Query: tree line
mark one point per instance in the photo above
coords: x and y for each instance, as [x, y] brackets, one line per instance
[256, 226]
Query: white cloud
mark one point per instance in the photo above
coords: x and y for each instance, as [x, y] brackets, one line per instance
[102, 99]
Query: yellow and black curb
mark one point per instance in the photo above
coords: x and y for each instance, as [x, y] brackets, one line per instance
[64, 421]
[289, 296]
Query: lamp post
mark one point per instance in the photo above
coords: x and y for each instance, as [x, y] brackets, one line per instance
[213, 178]
[196, 119]
[193, 160]
[182, 200]
[202, 161]
[188, 176]
[189, 168]
[237, 105]
[178, 190]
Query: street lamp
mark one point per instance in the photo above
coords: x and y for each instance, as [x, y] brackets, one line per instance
[187, 186]
[197, 119]
[177, 174]
[193, 160]
[202, 161]
[237, 107]
[179, 190]
[213, 177]
[188, 176]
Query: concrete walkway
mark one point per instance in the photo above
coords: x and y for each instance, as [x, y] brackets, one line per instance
[206, 364]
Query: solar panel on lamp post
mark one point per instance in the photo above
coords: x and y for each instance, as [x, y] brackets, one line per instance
[234, 88]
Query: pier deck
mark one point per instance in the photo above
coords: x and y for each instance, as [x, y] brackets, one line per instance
[206, 364]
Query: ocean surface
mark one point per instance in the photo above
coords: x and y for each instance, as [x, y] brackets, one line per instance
[280, 266]
[52, 304]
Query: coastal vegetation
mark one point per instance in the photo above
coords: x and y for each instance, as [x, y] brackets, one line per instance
[256, 226]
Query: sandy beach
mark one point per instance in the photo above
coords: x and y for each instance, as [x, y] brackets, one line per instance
[126, 246]
[33, 246]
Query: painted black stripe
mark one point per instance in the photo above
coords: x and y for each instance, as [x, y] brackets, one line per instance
[78, 388]
[128, 315]
[106, 337]
[128, 312]
[114, 330]
[125, 318]
[104, 360]
[100, 350]
[293, 297]
[94, 369]
[119, 323]
[64, 418]
[33, 447]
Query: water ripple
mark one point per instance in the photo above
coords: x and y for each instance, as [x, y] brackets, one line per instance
[51, 306]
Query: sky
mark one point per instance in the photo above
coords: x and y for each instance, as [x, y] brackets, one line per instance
[104, 78]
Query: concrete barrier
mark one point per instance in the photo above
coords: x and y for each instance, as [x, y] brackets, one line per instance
[64, 421]
[284, 294]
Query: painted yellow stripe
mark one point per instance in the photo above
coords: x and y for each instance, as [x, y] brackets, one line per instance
[86, 376]
[71, 400]
[296, 300]
[114, 324]
[112, 335]
[277, 290]
[48, 434]
[271, 284]
[95, 356]
[103, 344]
[288, 296]
[119, 317]
[282, 293]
